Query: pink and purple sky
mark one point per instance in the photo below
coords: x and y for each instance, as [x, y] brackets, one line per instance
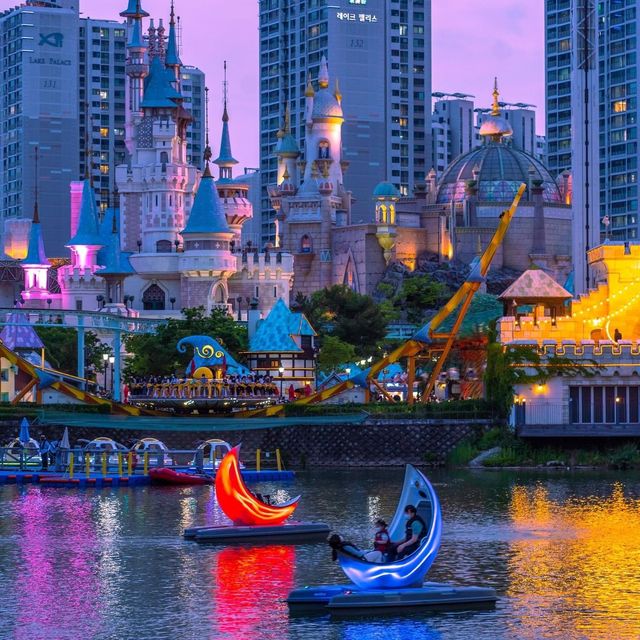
[472, 43]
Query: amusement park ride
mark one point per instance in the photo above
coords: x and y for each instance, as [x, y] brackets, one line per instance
[428, 343]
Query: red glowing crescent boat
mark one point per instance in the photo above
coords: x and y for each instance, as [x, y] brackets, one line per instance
[164, 475]
[252, 517]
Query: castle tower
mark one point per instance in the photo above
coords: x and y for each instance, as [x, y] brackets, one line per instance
[35, 264]
[79, 284]
[136, 69]
[116, 269]
[308, 212]
[386, 197]
[156, 188]
[206, 262]
[233, 192]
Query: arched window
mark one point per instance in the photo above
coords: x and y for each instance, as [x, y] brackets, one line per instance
[305, 244]
[323, 150]
[163, 246]
[350, 278]
[153, 298]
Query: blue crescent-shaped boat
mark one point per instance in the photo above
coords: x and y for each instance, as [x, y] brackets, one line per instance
[411, 570]
[398, 584]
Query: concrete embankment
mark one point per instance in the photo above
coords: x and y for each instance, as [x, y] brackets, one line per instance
[374, 442]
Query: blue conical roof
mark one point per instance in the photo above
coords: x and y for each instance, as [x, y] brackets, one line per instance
[207, 214]
[225, 159]
[134, 10]
[35, 250]
[114, 260]
[87, 231]
[158, 92]
[135, 40]
[172, 58]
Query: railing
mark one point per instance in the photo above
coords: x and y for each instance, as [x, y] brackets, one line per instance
[202, 390]
[84, 319]
[269, 457]
[541, 413]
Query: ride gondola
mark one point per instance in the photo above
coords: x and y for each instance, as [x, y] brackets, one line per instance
[397, 583]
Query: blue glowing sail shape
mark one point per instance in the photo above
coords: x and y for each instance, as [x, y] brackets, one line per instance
[409, 571]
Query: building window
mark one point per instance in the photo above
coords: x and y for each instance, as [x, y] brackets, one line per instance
[163, 246]
[153, 299]
[305, 244]
[323, 150]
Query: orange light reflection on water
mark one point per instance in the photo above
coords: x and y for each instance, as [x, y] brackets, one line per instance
[583, 554]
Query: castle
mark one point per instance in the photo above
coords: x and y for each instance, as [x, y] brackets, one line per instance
[174, 242]
[446, 218]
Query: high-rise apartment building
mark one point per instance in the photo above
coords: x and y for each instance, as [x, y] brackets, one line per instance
[40, 88]
[379, 51]
[617, 63]
[193, 86]
[101, 65]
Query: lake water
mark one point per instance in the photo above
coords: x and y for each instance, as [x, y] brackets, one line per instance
[562, 550]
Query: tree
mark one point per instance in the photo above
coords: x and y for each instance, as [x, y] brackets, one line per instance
[419, 294]
[61, 349]
[352, 317]
[156, 354]
[333, 353]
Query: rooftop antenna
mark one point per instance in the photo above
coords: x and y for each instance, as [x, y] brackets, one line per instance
[207, 149]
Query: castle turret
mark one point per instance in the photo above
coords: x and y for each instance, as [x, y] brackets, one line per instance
[35, 264]
[206, 261]
[136, 68]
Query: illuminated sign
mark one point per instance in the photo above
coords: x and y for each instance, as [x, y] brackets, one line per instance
[357, 1]
[356, 17]
[52, 39]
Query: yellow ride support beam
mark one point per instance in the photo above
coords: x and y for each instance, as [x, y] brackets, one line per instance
[258, 456]
[71, 462]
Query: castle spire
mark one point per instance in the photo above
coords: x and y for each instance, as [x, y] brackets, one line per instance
[495, 108]
[323, 76]
[225, 160]
[134, 10]
[207, 148]
[309, 92]
[173, 55]
[35, 250]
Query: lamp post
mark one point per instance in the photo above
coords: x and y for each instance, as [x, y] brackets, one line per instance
[111, 361]
[172, 301]
[281, 373]
[105, 361]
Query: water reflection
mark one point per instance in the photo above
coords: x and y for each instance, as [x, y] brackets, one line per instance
[581, 554]
[250, 586]
[51, 570]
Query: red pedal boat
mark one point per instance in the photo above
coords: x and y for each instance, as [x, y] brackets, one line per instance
[164, 475]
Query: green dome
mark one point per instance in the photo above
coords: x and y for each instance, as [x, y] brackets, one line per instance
[385, 190]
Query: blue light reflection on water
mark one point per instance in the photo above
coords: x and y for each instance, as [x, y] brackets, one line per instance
[562, 551]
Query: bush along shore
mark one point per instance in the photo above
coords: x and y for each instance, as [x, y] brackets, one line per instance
[507, 450]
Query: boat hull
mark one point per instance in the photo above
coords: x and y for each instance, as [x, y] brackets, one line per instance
[170, 477]
[350, 600]
[290, 532]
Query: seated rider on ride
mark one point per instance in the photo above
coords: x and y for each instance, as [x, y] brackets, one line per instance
[416, 529]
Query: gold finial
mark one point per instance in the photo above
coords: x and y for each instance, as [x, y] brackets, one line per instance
[225, 91]
[309, 93]
[495, 108]
[325, 169]
[323, 75]
[285, 175]
[337, 93]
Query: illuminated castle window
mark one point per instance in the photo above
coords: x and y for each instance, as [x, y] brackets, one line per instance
[153, 298]
[323, 150]
[305, 244]
[386, 213]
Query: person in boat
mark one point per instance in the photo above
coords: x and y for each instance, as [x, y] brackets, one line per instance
[381, 541]
[44, 451]
[338, 543]
[415, 530]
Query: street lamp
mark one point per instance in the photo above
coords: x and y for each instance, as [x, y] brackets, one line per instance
[172, 301]
[105, 360]
[281, 372]
[111, 361]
